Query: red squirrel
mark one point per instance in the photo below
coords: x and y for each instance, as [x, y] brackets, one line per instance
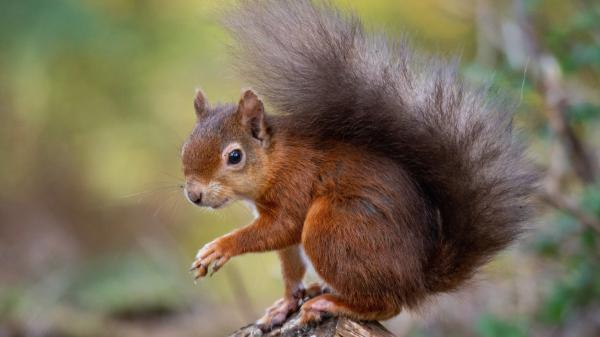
[396, 178]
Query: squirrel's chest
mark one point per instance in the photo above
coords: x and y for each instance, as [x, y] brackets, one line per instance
[252, 207]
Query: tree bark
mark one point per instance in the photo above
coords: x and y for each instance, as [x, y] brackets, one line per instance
[329, 327]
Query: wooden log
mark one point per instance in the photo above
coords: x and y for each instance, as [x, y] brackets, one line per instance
[329, 327]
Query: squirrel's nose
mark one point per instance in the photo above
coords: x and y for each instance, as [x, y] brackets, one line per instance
[195, 198]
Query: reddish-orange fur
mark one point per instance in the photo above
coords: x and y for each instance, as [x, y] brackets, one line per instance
[396, 178]
[340, 204]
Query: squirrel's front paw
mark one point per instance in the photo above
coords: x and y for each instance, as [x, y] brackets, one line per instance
[215, 253]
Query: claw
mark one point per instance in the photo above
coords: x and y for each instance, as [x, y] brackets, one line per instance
[197, 264]
[277, 313]
[214, 270]
[210, 254]
[218, 264]
[201, 272]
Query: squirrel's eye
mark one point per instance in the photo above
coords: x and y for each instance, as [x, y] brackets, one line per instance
[234, 157]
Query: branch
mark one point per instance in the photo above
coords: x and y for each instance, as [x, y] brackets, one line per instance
[549, 75]
[570, 206]
[330, 327]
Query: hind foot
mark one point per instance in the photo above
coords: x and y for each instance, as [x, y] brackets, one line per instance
[327, 305]
[276, 314]
[316, 309]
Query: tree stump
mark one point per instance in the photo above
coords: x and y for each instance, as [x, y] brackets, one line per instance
[329, 327]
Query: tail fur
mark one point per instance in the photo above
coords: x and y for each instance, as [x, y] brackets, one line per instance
[340, 82]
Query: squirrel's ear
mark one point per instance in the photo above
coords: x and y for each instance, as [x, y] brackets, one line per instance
[252, 113]
[200, 104]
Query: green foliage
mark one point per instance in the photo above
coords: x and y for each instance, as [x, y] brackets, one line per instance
[490, 326]
[576, 250]
[580, 287]
[564, 244]
[584, 112]
[9, 301]
[128, 284]
[591, 199]
[574, 42]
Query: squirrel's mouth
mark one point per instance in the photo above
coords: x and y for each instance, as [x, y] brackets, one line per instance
[221, 204]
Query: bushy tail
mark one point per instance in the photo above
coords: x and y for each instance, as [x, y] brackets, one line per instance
[340, 82]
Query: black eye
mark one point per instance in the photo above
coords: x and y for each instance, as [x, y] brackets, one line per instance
[234, 157]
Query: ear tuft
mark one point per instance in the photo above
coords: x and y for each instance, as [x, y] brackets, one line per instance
[200, 104]
[252, 113]
[250, 103]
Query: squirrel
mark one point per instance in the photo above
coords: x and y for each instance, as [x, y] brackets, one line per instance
[382, 167]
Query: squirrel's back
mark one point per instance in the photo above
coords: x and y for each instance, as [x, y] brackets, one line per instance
[340, 83]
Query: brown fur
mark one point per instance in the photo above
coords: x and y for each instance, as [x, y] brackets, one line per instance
[397, 185]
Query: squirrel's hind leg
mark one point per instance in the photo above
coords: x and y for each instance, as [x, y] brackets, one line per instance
[293, 269]
[334, 305]
[276, 314]
[360, 256]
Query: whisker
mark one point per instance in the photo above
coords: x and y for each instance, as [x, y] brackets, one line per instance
[169, 175]
[157, 189]
[161, 206]
[173, 207]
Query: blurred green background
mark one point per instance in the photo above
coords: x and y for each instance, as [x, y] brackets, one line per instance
[96, 99]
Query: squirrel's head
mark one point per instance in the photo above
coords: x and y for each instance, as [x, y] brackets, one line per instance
[225, 157]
